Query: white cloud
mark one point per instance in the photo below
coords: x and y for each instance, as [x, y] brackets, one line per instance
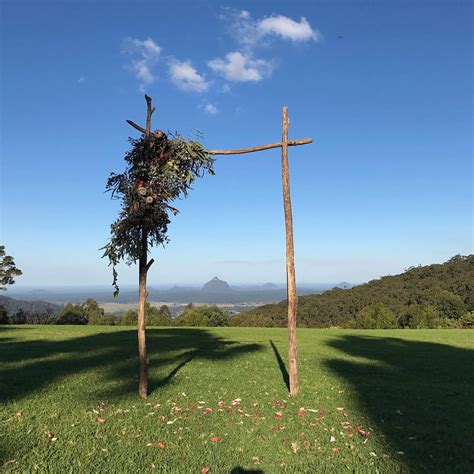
[251, 33]
[144, 55]
[287, 28]
[185, 76]
[239, 67]
[211, 109]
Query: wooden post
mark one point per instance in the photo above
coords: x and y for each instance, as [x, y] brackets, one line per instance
[290, 261]
[142, 294]
[143, 267]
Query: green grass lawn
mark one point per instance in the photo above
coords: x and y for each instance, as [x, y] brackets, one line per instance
[375, 401]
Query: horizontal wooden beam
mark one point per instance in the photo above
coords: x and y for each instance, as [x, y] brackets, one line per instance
[305, 141]
[240, 151]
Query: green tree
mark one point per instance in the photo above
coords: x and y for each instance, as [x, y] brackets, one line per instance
[450, 306]
[19, 317]
[72, 314]
[429, 317]
[417, 317]
[158, 317]
[193, 316]
[216, 316]
[130, 318]
[8, 269]
[165, 311]
[4, 319]
[375, 316]
[159, 170]
[468, 320]
[93, 312]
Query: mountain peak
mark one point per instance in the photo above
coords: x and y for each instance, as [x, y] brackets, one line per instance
[216, 286]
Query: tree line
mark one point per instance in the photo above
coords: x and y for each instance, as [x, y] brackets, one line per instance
[421, 297]
[91, 313]
[439, 295]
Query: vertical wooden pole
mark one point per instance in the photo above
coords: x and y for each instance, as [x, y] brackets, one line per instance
[290, 261]
[142, 292]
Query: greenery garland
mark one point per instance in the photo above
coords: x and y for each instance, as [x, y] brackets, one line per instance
[160, 169]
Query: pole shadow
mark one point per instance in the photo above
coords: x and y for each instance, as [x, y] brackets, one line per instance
[281, 365]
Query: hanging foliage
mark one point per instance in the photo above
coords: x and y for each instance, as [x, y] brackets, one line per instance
[160, 169]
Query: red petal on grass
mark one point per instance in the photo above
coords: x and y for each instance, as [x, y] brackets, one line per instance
[229, 410]
[207, 411]
[301, 412]
[335, 450]
[278, 415]
[362, 432]
[205, 470]
[160, 445]
[215, 439]
[321, 411]
[100, 420]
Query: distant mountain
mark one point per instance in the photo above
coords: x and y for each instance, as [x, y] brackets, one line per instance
[30, 307]
[39, 292]
[269, 286]
[343, 285]
[216, 286]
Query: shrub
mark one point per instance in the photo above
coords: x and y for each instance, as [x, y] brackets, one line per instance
[72, 314]
[4, 319]
[375, 316]
[450, 306]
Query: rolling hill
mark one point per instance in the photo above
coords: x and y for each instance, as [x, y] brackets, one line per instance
[420, 285]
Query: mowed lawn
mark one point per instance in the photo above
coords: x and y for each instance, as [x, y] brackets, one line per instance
[370, 401]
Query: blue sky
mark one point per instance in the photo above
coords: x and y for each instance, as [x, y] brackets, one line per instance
[384, 88]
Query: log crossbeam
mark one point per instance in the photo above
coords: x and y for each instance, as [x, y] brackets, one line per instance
[241, 151]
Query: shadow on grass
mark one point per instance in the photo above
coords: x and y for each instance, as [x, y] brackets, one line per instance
[419, 395]
[241, 470]
[281, 365]
[30, 366]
